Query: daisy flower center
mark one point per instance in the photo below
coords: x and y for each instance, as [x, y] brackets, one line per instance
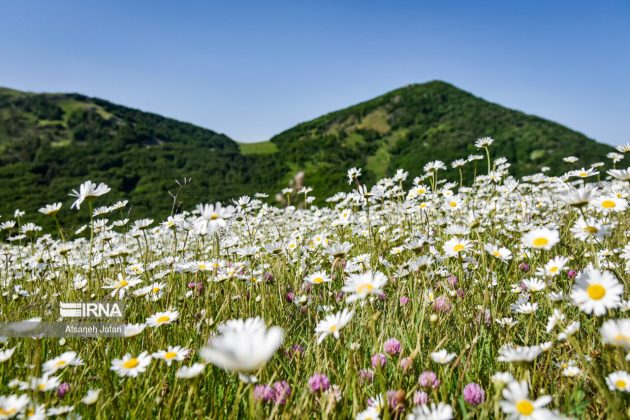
[621, 384]
[41, 387]
[496, 254]
[61, 363]
[540, 242]
[7, 412]
[596, 291]
[365, 288]
[608, 204]
[169, 355]
[453, 204]
[123, 283]
[214, 216]
[155, 289]
[458, 247]
[131, 363]
[554, 269]
[318, 280]
[162, 319]
[525, 407]
[591, 229]
[332, 328]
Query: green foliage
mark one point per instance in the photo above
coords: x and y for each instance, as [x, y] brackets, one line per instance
[417, 124]
[50, 143]
[260, 148]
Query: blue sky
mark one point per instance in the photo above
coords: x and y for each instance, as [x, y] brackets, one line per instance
[253, 69]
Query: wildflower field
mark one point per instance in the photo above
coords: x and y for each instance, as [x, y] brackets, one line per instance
[422, 299]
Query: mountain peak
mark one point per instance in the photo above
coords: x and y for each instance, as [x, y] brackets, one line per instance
[51, 143]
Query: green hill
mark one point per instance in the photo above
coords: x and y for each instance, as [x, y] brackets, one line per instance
[50, 143]
[419, 123]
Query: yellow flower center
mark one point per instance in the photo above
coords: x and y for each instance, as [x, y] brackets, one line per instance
[525, 407]
[540, 242]
[7, 412]
[169, 355]
[596, 291]
[496, 254]
[163, 319]
[41, 387]
[583, 174]
[609, 204]
[365, 288]
[131, 363]
[214, 216]
[620, 384]
[318, 280]
[591, 229]
[201, 266]
[458, 247]
[453, 204]
[61, 363]
[332, 328]
[123, 283]
[553, 269]
[621, 338]
[155, 289]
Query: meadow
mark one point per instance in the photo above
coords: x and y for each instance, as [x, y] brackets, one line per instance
[423, 298]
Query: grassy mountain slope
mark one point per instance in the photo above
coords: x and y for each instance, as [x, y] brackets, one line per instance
[50, 143]
[411, 126]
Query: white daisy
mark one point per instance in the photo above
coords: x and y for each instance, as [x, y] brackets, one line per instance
[171, 354]
[130, 365]
[359, 286]
[518, 405]
[442, 356]
[594, 292]
[618, 381]
[332, 324]
[162, 318]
